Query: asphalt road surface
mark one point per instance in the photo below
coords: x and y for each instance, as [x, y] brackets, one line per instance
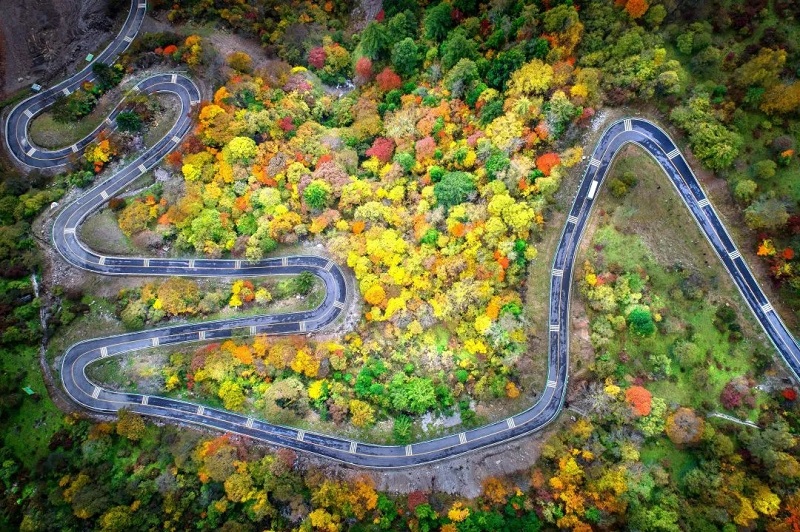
[548, 406]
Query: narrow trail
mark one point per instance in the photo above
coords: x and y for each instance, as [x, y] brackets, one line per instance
[91, 396]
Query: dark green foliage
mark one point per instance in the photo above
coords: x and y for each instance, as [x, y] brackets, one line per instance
[108, 76]
[438, 22]
[80, 178]
[129, 121]
[641, 321]
[457, 47]
[502, 68]
[405, 57]
[497, 163]
[490, 111]
[454, 188]
[304, 283]
[537, 48]
[374, 41]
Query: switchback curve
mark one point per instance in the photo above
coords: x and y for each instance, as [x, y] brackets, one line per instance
[628, 131]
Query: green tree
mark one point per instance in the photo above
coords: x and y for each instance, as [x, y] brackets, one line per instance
[405, 57]
[745, 189]
[374, 40]
[641, 321]
[457, 47]
[317, 194]
[715, 145]
[454, 188]
[765, 169]
[460, 77]
[107, 76]
[129, 121]
[437, 21]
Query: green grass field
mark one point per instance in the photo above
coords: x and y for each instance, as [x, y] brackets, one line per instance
[650, 231]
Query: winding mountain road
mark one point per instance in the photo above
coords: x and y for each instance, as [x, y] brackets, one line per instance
[87, 394]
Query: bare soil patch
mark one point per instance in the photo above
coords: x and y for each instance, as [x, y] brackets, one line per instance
[46, 39]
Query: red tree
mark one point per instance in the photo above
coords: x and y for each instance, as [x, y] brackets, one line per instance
[382, 148]
[636, 8]
[363, 70]
[316, 57]
[640, 400]
[546, 162]
[388, 80]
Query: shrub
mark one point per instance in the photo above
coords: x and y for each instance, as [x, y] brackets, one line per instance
[129, 121]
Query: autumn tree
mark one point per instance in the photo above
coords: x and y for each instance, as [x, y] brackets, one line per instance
[388, 80]
[240, 61]
[531, 79]
[640, 400]
[130, 424]
[178, 295]
[636, 8]
[684, 426]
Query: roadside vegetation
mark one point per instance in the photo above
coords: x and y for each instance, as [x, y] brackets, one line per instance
[431, 172]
